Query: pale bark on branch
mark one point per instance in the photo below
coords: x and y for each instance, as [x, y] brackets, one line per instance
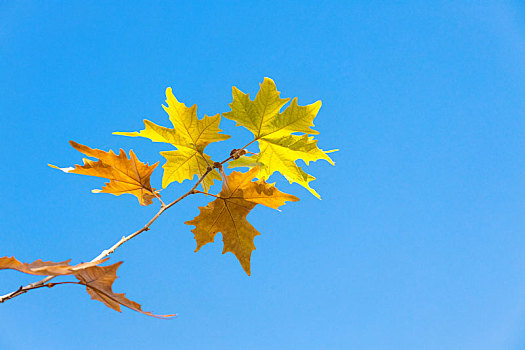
[106, 252]
[236, 153]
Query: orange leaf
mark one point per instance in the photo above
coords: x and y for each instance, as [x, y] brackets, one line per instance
[126, 175]
[227, 214]
[98, 281]
[45, 268]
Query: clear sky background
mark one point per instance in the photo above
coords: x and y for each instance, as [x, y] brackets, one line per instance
[418, 242]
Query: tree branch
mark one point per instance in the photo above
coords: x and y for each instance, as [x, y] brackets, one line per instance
[39, 284]
[106, 252]
[160, 200]
[206, 193]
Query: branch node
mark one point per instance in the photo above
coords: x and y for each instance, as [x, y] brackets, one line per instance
[237, 153]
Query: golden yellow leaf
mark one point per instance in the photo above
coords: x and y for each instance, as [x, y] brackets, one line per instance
[227, 214]
[190, 135]
[184, 161]
[99, 280]
[126, 175]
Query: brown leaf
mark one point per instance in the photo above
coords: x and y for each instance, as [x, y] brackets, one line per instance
[126, 175]
[98, 281]
[227, 214]
[45, 268]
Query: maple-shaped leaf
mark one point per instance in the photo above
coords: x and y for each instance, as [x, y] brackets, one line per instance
[190, 135]
[99, 280]
[227, 214]
[126, 175]
[45, 268]
[279, 149]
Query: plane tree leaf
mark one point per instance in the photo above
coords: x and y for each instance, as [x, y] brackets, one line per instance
[184, 161]
[190, 136]
[279, 147]
[227, 214]
[99, 280]
[284, 132]
[45, 268]
[126, 175]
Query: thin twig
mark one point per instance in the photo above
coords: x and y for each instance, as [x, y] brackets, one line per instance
[233, 155]
[29, 287]
[249, 143]
[158, 197]
[206, 193]
[106, 252]
[227, 159]
[124, 239]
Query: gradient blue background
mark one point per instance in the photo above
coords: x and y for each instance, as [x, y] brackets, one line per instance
[418, 242]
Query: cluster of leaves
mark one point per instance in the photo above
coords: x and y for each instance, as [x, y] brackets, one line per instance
[97, 279]
[283, 138]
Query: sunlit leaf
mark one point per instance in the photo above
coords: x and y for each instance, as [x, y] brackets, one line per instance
[227, 214]
[126, 175]
[190, 135]
[273, 130]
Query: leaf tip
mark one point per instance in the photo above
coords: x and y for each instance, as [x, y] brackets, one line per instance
[125, 133]
[66, 170]
[74, 144]
[314, 192]
[268, 80]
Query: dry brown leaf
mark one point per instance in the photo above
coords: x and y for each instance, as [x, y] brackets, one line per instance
[126, 175]
[98, 281]
[227, 214]
[45, 268]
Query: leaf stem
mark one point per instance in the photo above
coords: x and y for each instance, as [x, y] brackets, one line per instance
[206, 193]
[160, 200]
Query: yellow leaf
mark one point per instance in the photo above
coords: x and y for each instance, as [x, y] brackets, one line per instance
[253, 115]
[227, 214]
[190, 136]
[126, 175]
[279, 149]
[185, 161]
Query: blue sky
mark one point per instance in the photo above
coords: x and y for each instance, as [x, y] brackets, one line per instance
[417, 243]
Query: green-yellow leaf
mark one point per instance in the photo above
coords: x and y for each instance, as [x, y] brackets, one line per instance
[186, 161]
[190, 136]
[279, 149]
